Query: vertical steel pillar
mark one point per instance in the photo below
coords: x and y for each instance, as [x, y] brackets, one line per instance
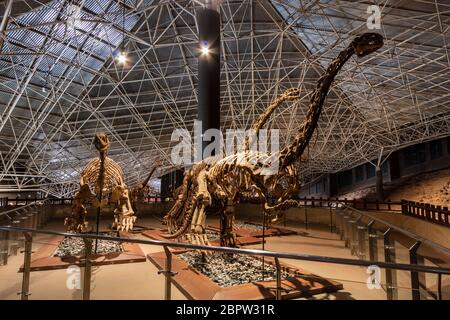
[87, 269]
[208, 19]
[361, 229]
[391, 274]
[416, 277]
[379, 183]
[168, 273]
[373, 241]
[26, 266]
[4, 246]
[278, 266]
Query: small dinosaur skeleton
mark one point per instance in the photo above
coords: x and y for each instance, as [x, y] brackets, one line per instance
[105, 177]
[140, 189]
[215, 185]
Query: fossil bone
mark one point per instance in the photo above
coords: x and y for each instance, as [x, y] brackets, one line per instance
[105, 177]
[216, 184]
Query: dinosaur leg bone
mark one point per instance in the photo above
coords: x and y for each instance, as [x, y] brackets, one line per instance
[227, 235]
[124, 217]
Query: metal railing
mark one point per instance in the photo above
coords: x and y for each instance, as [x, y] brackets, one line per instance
[426, 211]
[32, 216]
[6, 202]
[168, 272]
[432, 213]
[360, 230]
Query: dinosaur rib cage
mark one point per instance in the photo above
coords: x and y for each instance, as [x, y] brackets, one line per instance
[113, 174]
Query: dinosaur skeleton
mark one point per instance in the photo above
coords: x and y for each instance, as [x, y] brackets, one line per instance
[138, 191]
[215, 185]
[105, 177]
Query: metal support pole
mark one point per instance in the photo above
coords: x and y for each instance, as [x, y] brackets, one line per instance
[26, 266]
[4, 246]
[373, 241]
[353, 236]
[277, 264]
[416, 277]
[306, 218]
[439, 286]
[168, 273]
[391, 274]
[87, 269]
[208, 20]
[331, 220]
[4, 22]
[14, 239]
[361, 241]
[340, 223]
[347, 230]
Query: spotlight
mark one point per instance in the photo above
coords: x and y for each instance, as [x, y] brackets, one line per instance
[205, 50]
[122, 57]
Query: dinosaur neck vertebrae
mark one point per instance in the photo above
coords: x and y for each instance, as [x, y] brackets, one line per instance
[218, 184]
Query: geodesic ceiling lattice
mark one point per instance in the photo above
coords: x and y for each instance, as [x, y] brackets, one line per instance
[60, 83]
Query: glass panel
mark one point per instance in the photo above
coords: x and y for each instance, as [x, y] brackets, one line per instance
[141, 280]
[10, 278]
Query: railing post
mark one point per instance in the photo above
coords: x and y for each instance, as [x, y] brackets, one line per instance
[391, 274]
[87, 269]
[427, 212]
[14, 238]
[331, 219]
[439, 286]
[416, 277]
[353, 237]
[306, 217]
[373, 241]
[361, 241]
[26, 266]
[446, 216]
[338, 222]
[4, 246]
[168, 274]
[347, 230]
[277, 265]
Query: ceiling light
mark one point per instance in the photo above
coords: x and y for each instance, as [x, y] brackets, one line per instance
[122, 57]
[205, 50]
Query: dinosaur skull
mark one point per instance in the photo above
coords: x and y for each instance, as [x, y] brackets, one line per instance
[101, 141]
[367, 43]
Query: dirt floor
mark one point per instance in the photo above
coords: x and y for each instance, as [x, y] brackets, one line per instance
[432, 187]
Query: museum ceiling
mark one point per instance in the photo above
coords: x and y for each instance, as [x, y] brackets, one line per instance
[60, 82]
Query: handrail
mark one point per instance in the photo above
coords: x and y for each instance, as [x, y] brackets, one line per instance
[18, 208]
[286, 255]
[405, 232]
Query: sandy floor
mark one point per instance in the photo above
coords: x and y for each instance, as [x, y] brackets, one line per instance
[141, 281]
[432, 187]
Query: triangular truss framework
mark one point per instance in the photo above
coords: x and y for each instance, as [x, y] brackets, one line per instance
[60, 83]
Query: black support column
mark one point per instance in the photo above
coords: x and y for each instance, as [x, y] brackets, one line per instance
[209, 69]
[379, 183]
